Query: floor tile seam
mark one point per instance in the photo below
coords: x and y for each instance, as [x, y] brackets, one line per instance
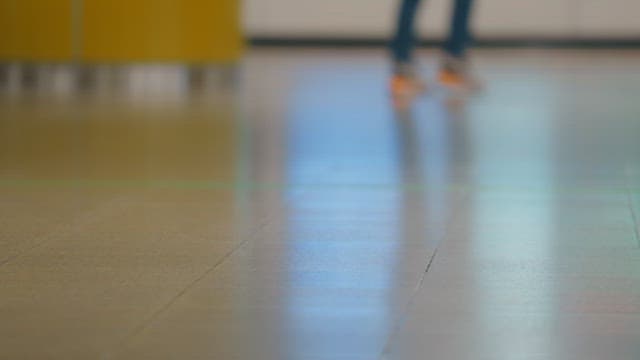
[208, 184]
[634, 217]
[386, 350]
[405, 313]
[150, 320]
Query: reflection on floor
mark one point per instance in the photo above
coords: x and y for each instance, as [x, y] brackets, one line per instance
[289, 212]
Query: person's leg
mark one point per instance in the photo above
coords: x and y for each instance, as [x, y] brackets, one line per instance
[404, 40]
[454, 72]
[459, 33]
[404, 82]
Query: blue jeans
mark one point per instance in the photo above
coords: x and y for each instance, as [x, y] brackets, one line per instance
[405, 37]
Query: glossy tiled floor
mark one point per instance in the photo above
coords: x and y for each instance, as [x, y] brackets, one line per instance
[151, 212]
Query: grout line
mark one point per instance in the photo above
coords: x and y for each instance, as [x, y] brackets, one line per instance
[207, 185]
[424, 275]
[634, 216]
[403, 317]
[145, 324]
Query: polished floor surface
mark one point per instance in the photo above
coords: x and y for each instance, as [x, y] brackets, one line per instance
[285, 210]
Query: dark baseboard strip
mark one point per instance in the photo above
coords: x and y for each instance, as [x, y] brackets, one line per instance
[582, 43]
[317, 42]
[572, 43]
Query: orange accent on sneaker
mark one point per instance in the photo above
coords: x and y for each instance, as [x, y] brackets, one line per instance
[450, 78]
[406, 86]
[457, 81]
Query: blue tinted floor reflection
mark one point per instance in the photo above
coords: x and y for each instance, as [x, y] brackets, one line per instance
[171, 212]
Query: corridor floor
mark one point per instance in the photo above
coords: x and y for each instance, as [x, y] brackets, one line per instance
[288, 211]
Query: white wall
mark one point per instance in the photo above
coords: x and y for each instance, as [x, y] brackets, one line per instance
[494, 18]
[609, 17]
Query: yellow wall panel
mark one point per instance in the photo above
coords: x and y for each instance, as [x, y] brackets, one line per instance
[161, 30]
[36, 30]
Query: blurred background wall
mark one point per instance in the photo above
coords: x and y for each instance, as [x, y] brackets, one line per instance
[494, 18]
[36, 29]
[213, 30]
[191, 30]
[120, 30]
